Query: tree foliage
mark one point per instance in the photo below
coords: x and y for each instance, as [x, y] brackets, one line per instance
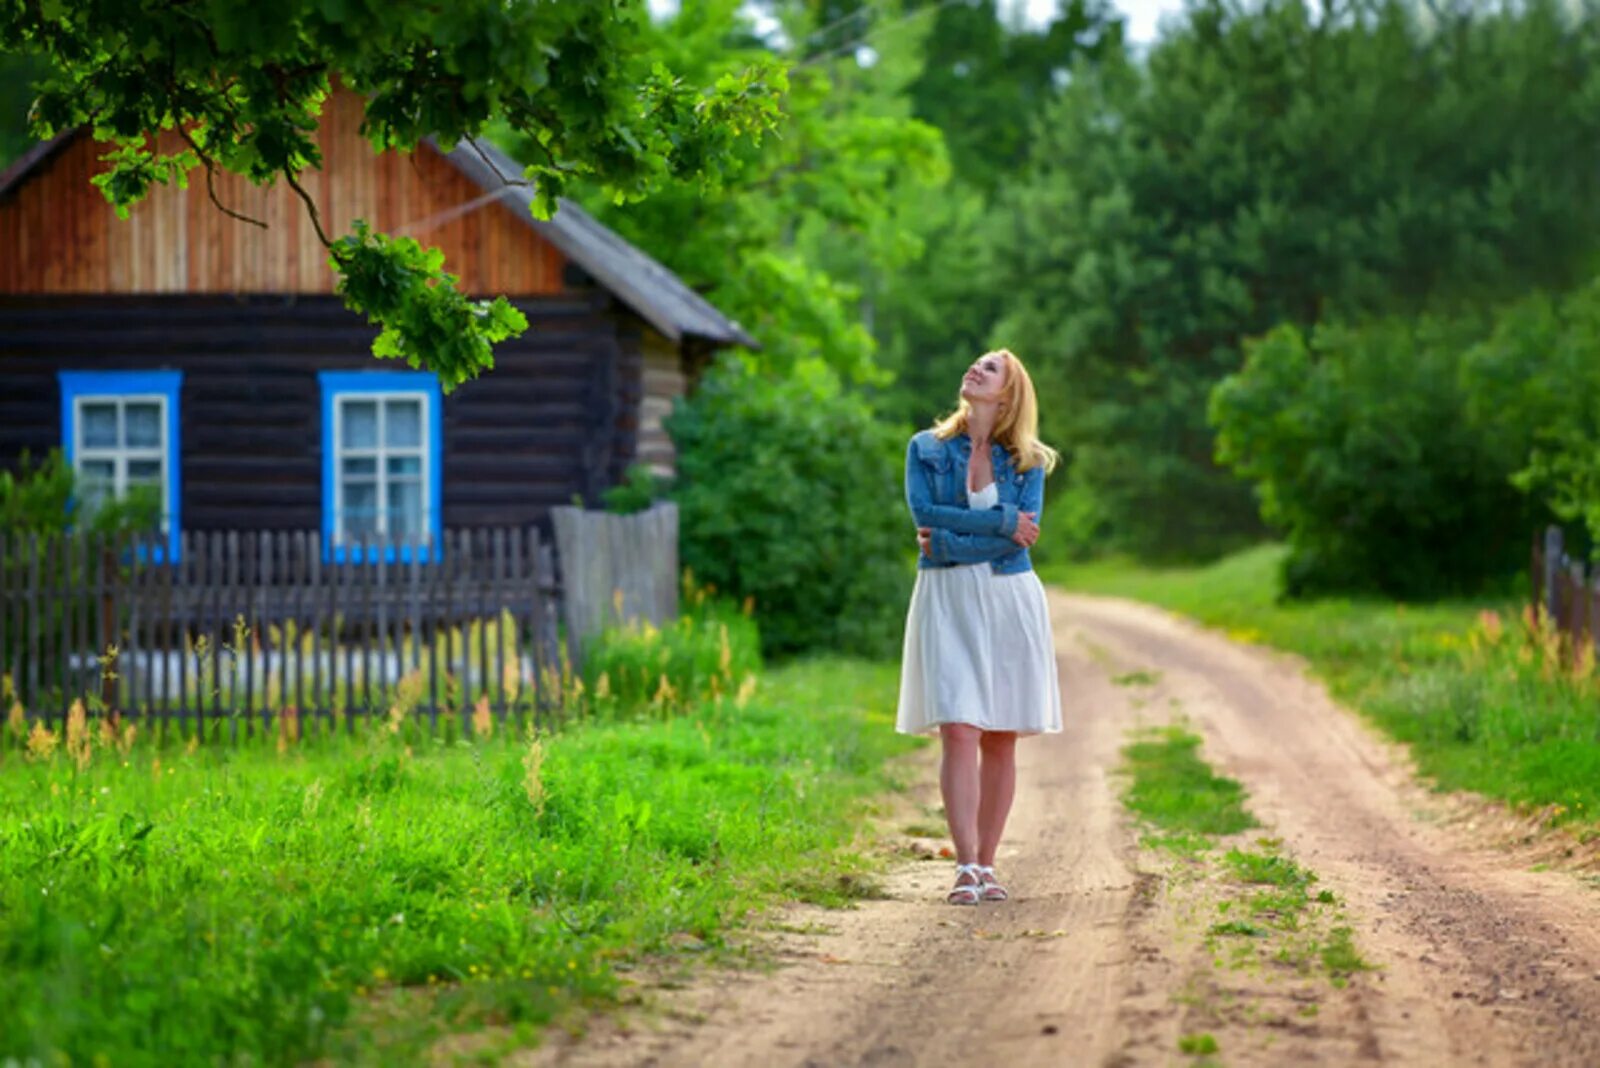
[847, 153]
[1367, 449]
[1278, 164]
[1534, 386]
[243, 84]
[789, 493]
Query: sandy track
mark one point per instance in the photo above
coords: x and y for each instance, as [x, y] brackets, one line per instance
[1481, 962]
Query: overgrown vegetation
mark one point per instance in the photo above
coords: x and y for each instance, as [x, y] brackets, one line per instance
[359, 891]
[1490, 698]
[790, 496]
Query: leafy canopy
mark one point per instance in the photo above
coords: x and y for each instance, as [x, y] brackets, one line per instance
[243, 83]
[848, 156]
[1269, 165]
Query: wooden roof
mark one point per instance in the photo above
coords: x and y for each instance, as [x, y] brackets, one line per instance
[62, 237]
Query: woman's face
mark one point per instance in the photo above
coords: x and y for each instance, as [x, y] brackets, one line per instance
[985, 380]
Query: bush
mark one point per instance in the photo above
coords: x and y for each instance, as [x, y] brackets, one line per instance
[711, 650]
[1363, 452]
[1534, 385]
[790, 494]
[38, 497]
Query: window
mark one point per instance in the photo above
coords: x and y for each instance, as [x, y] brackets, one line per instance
[380, 461]
[119, 430]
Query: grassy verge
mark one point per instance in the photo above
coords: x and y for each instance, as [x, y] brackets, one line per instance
[1257, 909]
[360, 896]
[1484, 698]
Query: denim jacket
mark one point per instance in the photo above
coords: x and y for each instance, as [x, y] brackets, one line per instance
[936, 490]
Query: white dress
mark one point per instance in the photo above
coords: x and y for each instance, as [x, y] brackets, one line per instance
[979, 649]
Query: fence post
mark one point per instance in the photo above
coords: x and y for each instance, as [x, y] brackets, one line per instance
[616, 567]
[1552, 567]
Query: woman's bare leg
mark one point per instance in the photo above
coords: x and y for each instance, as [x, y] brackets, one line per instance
[997, 786]
[958, 783]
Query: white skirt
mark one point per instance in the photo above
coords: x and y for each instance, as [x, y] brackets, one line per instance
[979, 650]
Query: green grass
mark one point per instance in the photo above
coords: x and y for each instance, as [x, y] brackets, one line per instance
[357, 897]
[1482, 699]
[1176, 791]
[1267, 898]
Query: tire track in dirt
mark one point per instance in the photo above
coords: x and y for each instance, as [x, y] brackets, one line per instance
[1481, 963]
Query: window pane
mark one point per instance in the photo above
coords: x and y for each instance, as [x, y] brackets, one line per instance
[360, 509]
[99, 425]
[142, 425]
[405, 511]
[144, 471]
[95, 482]
[403, 423]
[360, 466]
[360, 424]
[405, 465]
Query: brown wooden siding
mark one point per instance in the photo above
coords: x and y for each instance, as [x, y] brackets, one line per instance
[60, 235]
[549, 422]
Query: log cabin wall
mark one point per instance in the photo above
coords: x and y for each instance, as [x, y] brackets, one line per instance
[61, 236]
[662, 381]
[515, 442]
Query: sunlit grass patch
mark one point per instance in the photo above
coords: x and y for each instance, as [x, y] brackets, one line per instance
[1175, 790]
[364, 893]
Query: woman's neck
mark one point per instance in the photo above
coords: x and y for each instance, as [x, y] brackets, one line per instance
[980, 423]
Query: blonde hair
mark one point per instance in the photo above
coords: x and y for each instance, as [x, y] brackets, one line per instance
[1017, 427]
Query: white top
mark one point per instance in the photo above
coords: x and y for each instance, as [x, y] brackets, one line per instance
[983, 499]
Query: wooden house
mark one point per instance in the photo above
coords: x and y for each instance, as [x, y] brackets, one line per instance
[188, 350]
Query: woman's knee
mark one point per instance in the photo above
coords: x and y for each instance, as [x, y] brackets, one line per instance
[997, 743]
[960, 736]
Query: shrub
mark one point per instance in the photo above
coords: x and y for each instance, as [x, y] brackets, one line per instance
[1361, 447]
[1534, 384]
[790, 494]
[711, 650]
[640, 488]
[38, 497]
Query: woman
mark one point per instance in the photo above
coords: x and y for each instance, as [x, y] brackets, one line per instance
[979, 659]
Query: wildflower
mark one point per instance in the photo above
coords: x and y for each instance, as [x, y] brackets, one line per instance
[1490, 626]
[78, 735]
[482, 718]
[533, 777]
[41, 742]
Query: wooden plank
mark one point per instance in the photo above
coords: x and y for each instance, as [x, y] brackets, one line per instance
[78, 594]
[365, 574]
[414, 623]
[291, 665]
[230, 596]
[54, 639]
[181, 617]
[317, 595]
[380, 566]
[8, 596]
[502, 611]
[34, 649]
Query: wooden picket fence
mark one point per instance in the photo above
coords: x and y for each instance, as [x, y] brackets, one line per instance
[1567, 589]
[246, 624]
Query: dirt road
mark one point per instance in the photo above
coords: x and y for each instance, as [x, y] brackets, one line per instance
[1480, 961]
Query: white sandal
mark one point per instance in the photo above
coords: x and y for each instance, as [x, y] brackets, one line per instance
[967, 893]
[991, 888]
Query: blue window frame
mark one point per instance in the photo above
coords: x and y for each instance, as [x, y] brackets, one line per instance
[119, 431]
[381, 438]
